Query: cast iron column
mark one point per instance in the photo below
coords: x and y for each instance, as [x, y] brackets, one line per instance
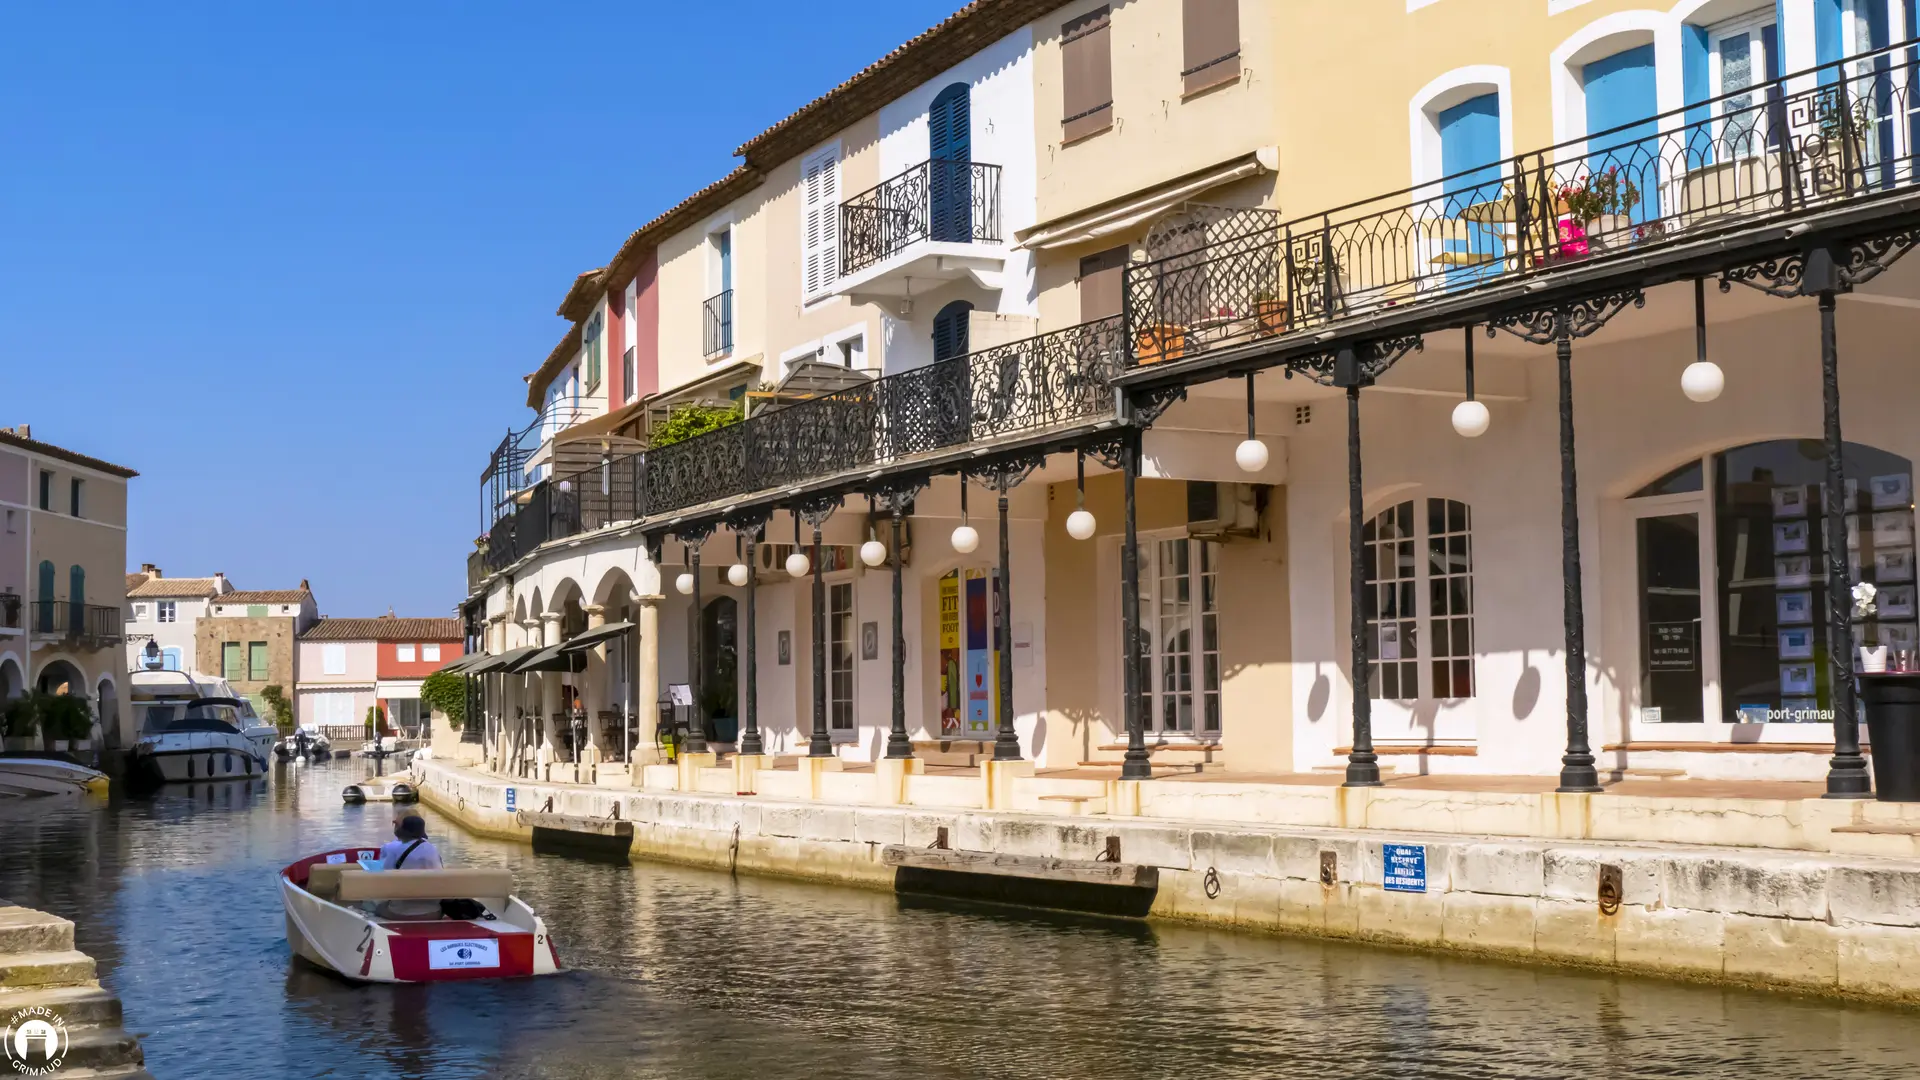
[697, 723]
[750, 741]
[1847, 776]
[1363, 766]
[1576, 765]
[1137, 765]
[897, 744]
[821, 745]
[1006, 745]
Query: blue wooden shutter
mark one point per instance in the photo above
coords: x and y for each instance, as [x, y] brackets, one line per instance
[77, 598]
[1470, 164]
[43, 603]
[949, 155]
[950, 330]
[1621, 93]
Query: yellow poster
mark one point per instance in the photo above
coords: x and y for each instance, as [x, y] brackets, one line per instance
[950, 654]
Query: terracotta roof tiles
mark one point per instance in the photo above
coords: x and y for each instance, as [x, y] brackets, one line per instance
[385, 628]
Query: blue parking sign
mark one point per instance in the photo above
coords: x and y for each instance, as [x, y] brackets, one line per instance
[509, 800]
[1403, 867]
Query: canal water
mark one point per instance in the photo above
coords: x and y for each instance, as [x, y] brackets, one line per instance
[685, 973]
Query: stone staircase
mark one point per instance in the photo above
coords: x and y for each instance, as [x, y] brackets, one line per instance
[40, 967]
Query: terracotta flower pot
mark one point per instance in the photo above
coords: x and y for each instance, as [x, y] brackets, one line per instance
[1270, 316]
[1164, 341]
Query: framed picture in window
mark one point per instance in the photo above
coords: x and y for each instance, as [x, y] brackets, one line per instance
[1899, 635]
[1895, 602]
[1893, 564]
[1893, 528]
[1793, 607]
[870, 641]
[1389, 641]
[1790, 536]
[1792, 570]
[1796, 679]
[1891, 492]
[1790, 502]
[784, 647]
[1796, 643]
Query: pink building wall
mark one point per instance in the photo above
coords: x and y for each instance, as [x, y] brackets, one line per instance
[13, 523]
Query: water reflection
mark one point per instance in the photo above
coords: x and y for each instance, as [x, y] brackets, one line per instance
[683, 973]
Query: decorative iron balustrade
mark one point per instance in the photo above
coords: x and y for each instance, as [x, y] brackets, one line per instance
[949, 201]
[1803, 141]
[719, 323]
[90, 624]
[506, 475]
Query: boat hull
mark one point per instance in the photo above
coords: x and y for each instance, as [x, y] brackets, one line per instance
[190, 757]
[48, 776]
[362, 947]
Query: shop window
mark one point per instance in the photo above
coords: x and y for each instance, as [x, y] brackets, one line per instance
[1734, 623]
[1417, 562]
[1180, 635]
[840, 641]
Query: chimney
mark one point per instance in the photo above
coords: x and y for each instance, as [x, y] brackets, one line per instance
[149, 568]
[219, 581]
[304, 587]
[25, 431]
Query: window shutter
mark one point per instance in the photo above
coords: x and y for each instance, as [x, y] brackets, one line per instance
[230, 660]
[1086, 61]
[1100, 284]
[1211, 44]
[820, 184]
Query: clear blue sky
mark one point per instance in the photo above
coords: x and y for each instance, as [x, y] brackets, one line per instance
[290, 260]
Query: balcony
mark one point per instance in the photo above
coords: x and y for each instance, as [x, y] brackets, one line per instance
[86, 624]
[10, 605]
[938, 221]
[718, 338]
[1801, 143]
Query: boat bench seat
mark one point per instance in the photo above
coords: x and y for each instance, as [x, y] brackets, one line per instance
[350, 884]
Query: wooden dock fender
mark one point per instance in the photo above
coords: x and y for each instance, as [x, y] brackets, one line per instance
[1085, 885]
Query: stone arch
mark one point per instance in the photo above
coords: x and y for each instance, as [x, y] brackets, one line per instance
[613, 590]
[106, 712]
[59, 676]
[12, 682]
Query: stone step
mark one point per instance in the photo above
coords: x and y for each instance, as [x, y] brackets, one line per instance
[26, 930]
[101, 1048]
[117, 1072]
[77, 1005]
[51, 968]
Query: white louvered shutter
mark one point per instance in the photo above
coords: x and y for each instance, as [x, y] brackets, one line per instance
[821, 220]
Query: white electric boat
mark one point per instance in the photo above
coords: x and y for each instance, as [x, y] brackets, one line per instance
[34, 773]
[337, 905]
[210, 738]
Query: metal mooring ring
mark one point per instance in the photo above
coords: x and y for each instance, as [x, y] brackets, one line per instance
[1211, 883]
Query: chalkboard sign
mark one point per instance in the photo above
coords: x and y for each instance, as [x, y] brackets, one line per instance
[1404, 867]
[1672, 646]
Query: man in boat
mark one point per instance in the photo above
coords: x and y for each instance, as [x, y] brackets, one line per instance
[410, 850]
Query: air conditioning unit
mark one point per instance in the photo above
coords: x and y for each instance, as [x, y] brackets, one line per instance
[1216, 511]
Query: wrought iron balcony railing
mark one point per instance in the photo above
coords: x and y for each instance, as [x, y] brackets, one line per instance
[92, 624]
[506, 472]
[951, 201]
[10, 611]
[719, 323]
[1782, 147]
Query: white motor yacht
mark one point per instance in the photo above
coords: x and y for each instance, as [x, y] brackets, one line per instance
[210, 739]
[33, 773]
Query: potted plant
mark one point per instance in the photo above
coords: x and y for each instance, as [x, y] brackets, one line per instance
[1161, 341]
[1269, 313]
[64, 720]
[22, 720]
[1599, 203]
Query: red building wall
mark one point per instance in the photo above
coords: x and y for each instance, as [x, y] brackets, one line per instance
[646, 320]
[389, 665]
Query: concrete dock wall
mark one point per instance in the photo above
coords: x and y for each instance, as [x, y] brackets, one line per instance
[1845, 925]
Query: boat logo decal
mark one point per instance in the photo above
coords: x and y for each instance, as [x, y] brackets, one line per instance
[36, 1041]
[463, 953]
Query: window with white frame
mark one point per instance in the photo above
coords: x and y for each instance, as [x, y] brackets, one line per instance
[333, 659]
[595, 349]
[840, 645]
[430, 653]
[820, 220]
[139, 612]
[851, 352]
[1418, 568]
[166, 611]
[1180, 635]
[403, 653]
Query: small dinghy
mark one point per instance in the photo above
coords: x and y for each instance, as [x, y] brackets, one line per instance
[393, 789]
[335, 919]
[34, 773]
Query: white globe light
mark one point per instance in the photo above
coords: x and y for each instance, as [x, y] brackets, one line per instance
[873, 553]
[1470, 418]
[566, 485]
[797, 564]
[1080, 525]
[684, 583]
[965, 539]
[737, 575]
[1250, 455]
[1703, 380]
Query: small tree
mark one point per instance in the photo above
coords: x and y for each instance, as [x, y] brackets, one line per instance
[376, 721]
[282, 709]
[64, 716]
[446, 692]
[22, 717]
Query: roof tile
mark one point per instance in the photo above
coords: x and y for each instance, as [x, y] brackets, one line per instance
[385, 628]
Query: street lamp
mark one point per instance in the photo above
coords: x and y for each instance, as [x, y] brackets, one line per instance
[1080, 523]
[1470, 417]
[1703, 380]
[1251, 454]
[965, 538]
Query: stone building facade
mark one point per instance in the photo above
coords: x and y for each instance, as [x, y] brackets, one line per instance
[250, 638]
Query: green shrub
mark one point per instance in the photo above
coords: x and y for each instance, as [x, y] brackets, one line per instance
[446, 692]
[22, 717]
[282, 709]
[64, 716]
[687, 421]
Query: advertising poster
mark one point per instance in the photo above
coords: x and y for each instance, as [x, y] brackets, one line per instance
[950, 678]
[979, 663]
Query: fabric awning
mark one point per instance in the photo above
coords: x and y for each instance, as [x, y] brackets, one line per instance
[461, 664]
[499, 661]
[1134, 210]
[583, 642]
[550, 658]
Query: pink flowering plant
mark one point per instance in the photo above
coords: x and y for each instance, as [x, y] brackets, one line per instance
[1599, 194]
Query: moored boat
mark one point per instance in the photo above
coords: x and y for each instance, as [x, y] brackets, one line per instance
[210, 739]
[34, 773]
[334, 919]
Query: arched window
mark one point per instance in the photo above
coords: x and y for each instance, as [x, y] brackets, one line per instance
[950, 330]
[1418, 567]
